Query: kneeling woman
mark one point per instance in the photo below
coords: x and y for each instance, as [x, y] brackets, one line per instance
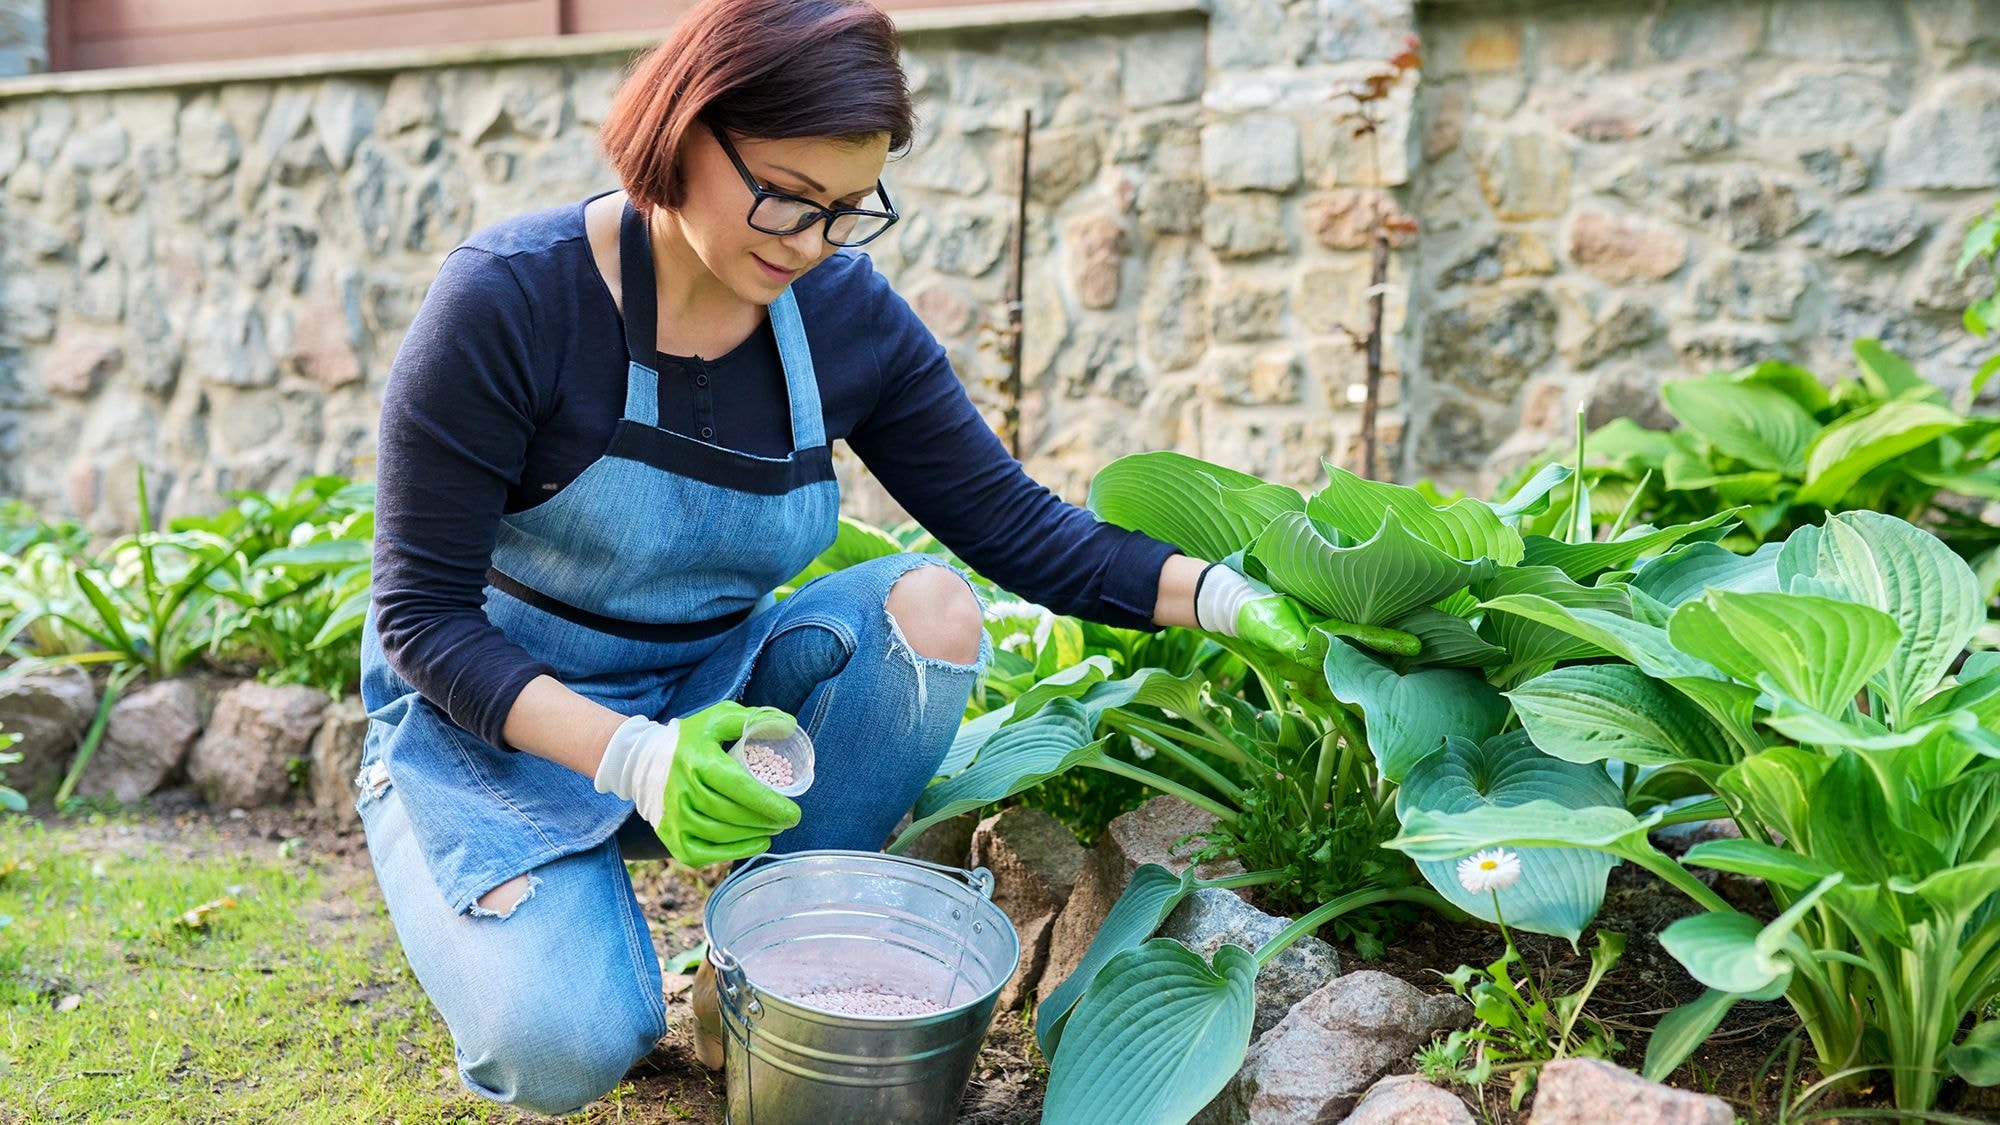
[604, 442]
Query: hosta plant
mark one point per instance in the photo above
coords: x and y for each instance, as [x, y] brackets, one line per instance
[1814, 691]
[1788, 448]
[1304, 775]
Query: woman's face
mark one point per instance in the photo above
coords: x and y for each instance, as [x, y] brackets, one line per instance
[714, 216]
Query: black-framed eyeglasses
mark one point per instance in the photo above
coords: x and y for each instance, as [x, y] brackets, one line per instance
[774, 212]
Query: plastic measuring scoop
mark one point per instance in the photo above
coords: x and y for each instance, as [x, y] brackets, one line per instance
[794, 747]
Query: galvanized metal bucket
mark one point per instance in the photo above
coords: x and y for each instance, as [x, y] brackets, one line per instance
[782, 927]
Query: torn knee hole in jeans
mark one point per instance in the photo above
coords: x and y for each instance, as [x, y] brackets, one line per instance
[899, 645]
[479, 910]
[373, 781]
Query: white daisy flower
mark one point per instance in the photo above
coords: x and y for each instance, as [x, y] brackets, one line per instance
[1491, 870]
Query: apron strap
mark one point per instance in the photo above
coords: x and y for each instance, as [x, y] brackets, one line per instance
[801, 385]
[642, 311]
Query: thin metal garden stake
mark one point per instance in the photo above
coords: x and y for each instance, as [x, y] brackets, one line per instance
[1013, 415]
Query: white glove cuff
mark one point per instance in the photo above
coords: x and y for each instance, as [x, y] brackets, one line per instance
[1219, 596]
[636, 762]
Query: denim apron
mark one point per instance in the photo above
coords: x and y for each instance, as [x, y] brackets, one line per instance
[646, 583]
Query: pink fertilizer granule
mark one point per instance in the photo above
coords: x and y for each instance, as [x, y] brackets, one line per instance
[860, 1002]
[767, 766]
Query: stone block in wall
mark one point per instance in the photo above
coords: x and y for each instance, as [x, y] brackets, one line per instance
[1706, 30]
[1747, 206]
[1094, 253]
[80, 362]
[1245, 225]
[1880, 227]
[1950, 140]
[970, 244]
[1244, 310]
[1629, 323]
[1491, 344]
[1623, 248]
[1170, 206]
[1631, 392]
[1746, 287]
[1506, 254]
[1727, 347]
[1817, 104]
[1525, 174]
[1840, 29]
[1173, 312]
[1162, 67]
[1258, 153]
[1264, 378]
[1345, 218]
[1454, 437]
[1840, 166]
[1332, 298]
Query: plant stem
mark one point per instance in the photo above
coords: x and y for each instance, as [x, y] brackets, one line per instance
[1173, 788]
[1353, 900]
[1189, 761]
[1631, 505]
[1237, 882]
[1221, 749]
[1323, 770]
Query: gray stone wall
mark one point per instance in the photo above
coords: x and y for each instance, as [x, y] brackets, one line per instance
[1620, 192]
[210, 278]
[24, 41]
[209, 275]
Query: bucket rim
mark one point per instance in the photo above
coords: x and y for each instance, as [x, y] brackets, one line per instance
[977, 880]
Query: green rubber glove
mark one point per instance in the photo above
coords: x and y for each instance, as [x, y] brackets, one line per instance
[1235, 605]
[704, 805]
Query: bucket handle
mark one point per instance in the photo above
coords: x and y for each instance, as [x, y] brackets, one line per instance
[729, 971]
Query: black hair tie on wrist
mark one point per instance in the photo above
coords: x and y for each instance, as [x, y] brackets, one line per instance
[1199, 579]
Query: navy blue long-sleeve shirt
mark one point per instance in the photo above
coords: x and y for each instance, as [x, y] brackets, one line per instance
[512, 378]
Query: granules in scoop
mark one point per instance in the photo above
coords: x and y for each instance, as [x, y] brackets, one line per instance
[767, 766]
[862, 1002]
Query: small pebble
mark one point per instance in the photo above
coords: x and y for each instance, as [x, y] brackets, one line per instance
[767, 766]
[861, 1002]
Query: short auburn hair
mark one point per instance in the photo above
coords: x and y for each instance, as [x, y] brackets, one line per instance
[764, 69]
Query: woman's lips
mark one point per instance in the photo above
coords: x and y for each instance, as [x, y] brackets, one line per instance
[773, 272]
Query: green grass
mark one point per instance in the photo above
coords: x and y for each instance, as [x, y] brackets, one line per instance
[294, 1004]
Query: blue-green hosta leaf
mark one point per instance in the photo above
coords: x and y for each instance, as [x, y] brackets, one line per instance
[1532, 498]
[1465, 529]
[1680, 1031]
[1018, 757]
[973, 733]
[1751, 423]
[1368, 584]
[1532, 645]
[1791, 380]
[1976, 1058]
[1849, 795]
[1880, 561]
[1730, 951]
[1818, 649]
[1759, 860]
[1536, 824]
[1141, 908]
[1800, 723]
[1409, 716]
[1606, 629]
[1692, 569]
[1157, 1036]
[1582, 561]
[1850, 448]
[1148, 687]
[1449, 641]
[1204, 509]
[1954, 892]
[1592, 712]
[1560, 889]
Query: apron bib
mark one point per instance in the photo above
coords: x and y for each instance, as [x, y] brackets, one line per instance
[646, 583]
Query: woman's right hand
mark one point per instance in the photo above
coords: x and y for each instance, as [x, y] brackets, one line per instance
[704, 805]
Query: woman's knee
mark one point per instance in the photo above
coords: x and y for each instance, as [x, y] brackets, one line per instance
[937, 613]
[555, 1057]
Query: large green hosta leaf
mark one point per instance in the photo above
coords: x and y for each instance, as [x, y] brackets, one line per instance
[1206, 510]
[1539, 823]
[1582, 561]
[1018, 757]
[1751, 423]
[1692, 569]
[1368, 584]
[1818, 649]
[1157, 1036]
[1532, 645]
[1465, 529]
[1142, 906]
[1859, 443]
[1592, 712]
[974, 733]
[1409, 716]
[1880, 561]
[1448, 640]
[1560, 889]
[1731, 952]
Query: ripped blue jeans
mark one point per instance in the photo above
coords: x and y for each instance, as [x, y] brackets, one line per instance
[551, 1003]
